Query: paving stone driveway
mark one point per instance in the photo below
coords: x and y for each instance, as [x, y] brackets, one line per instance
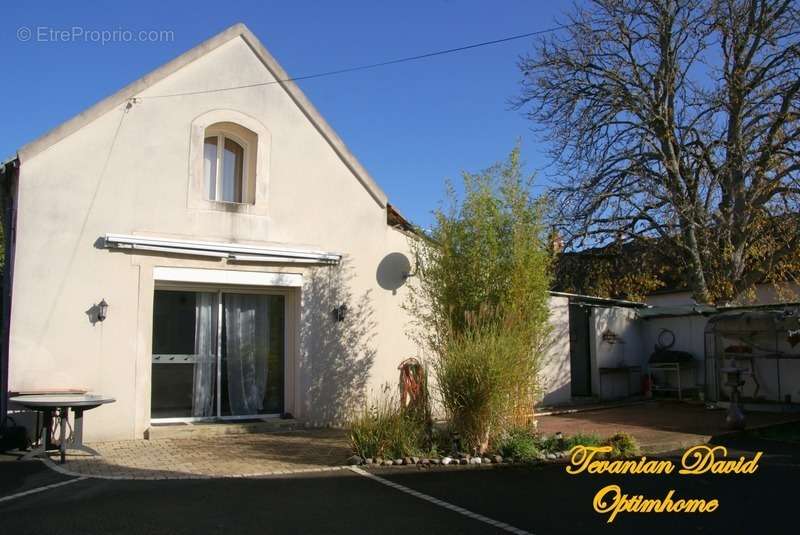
[658, 426]
[218, 456]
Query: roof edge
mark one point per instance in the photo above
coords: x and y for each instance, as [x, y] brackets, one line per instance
[313, 115]
[593, 298]
[396, 220]
[131, 90]
[98, 109]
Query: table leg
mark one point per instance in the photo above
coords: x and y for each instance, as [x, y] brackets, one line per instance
[38, 427]
[47, 429]
[43, 438]
[63, 416]
[76, 442]
[77, 431]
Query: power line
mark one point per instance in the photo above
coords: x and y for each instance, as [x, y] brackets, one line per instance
[79, 242]
[367, 66]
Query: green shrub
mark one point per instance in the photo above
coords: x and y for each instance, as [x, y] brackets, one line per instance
[581, 439]
[480, 299]
[519, 444]
[382, 429]
[623, 445]
[441, 442]
[478, 377]
[548, 444]
[551, 444]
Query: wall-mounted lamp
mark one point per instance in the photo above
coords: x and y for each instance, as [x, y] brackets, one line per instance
[339, 313]
[102, 310]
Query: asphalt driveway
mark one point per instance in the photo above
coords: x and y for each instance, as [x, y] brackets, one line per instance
[539, 500]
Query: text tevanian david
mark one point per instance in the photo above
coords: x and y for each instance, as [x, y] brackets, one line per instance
[695, 461]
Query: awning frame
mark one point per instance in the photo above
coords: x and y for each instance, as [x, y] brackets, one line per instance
[235, 252]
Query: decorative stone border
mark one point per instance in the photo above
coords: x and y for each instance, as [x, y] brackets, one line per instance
[455, 460]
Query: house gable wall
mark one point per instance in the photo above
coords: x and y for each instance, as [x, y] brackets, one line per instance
[129, 172]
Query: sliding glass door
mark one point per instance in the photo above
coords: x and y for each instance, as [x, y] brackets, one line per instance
[184, 355]
[252, 354]
[217, 354]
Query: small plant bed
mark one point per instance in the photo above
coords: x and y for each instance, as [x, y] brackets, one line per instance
[517, 446]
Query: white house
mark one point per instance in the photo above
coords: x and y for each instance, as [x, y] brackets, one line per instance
[251, 266]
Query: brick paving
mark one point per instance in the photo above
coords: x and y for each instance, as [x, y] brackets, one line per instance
[217, 456]
[658, 426]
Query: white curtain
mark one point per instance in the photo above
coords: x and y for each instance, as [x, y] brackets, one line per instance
[205, 349]
[247, 346]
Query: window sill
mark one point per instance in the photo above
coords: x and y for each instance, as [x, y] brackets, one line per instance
[228, 206]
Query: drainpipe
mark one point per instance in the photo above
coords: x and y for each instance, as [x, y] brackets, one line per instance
[9, 174]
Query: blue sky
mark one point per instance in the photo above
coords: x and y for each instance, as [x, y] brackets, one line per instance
[412, 125]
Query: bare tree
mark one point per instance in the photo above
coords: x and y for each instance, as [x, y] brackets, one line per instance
[676, 123]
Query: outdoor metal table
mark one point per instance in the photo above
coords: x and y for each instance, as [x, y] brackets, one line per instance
[60, 405]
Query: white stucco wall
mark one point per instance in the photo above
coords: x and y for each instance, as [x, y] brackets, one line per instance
[554, 371]
[689, 337]
[626, 351]
[79, 189]
[670, 299]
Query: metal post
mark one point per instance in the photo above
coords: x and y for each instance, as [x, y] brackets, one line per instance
[63, 417]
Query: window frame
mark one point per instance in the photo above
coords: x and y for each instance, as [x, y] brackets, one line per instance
[221, 134]
[291, 393]
[258, 173]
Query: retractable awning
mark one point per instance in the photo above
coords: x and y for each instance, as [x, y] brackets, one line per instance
[236, 252]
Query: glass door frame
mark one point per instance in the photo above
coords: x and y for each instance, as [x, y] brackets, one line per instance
[286, 293]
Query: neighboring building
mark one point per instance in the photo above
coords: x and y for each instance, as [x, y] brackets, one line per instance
[763, 294]
[580, 360]
[630, 271]
[605, 347]
[251, 266]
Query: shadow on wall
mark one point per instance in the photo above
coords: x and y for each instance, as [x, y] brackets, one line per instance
[554, 380]
[393, 271]
[337, 353]
[616, 338]
[617, 345]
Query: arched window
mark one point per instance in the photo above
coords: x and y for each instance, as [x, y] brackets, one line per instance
[226, 165]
